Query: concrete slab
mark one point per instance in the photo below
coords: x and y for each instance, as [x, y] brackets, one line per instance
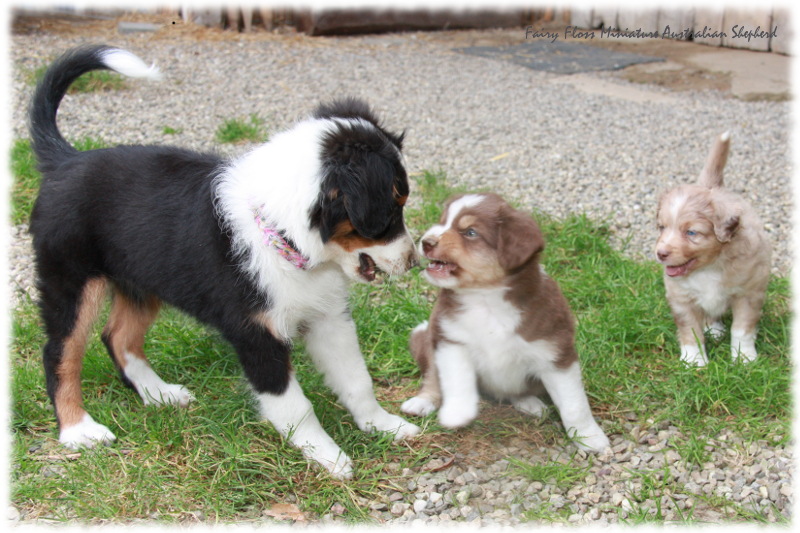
[591, 85]
[559, 56]
[753, 74]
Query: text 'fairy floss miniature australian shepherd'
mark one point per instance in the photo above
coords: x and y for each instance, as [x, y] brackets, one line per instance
[261, 248]
[500, 325]
[716, 257]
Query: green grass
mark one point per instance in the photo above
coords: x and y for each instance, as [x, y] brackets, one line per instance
[25, 185]
[218, 459]
[169, 130]
[94, 81]
[239, 130]
[552, 472]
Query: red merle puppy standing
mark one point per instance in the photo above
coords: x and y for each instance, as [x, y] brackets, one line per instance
[262, 248]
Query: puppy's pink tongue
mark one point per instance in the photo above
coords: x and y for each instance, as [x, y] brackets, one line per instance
[680, 270]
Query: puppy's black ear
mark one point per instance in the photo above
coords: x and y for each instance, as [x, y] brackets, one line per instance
[364, 168]
[519, 238]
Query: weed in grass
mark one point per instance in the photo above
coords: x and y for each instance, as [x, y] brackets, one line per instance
[692, 449]
[169, 130]
[553, 472]
[240, 131]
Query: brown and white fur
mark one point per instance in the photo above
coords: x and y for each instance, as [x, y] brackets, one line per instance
[500, 325]
[716, 257]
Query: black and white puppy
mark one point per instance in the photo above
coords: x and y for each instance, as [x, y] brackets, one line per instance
[261, 248]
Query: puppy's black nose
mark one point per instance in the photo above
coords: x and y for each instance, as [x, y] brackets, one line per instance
[428, 244]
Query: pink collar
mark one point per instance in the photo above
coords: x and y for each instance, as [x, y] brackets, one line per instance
[274, 239]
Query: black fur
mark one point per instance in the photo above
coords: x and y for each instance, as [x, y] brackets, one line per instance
[363, 176]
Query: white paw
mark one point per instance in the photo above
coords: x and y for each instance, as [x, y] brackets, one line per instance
[748, 355]
[715, 330]
[166, 394]
[530, 405]
[693, 355]
[331, 458]
[591, 439]
[418, 406]
[85, 434]
[456, 416]
[389, 423]
[743, 346]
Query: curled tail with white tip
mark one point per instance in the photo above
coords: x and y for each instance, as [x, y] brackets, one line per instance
[48, 144]
[711, 175]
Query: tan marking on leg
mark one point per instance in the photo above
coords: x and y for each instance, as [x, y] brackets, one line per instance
[127, 324]
[265, 319]
[68, 396]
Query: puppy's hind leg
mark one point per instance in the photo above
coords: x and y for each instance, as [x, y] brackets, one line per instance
[429, 397]
[530, 403]
[130, 318]
[69, 315]
[714, 328]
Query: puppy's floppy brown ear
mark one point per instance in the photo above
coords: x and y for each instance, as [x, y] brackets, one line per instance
[725, 227]
[519, 238]
[725, 220]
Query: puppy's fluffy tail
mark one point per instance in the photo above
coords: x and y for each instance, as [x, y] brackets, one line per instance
[711, 175]
[48, 144]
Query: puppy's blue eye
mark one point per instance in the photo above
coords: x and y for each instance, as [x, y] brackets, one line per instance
[691, 233]
[471, 233]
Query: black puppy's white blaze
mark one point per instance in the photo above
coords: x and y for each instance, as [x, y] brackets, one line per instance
[155, 224]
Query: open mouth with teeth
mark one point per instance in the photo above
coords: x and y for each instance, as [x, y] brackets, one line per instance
[367, 267]
[679, 270]
[440, 269]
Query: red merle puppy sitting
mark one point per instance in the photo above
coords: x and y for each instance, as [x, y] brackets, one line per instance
[500, 325]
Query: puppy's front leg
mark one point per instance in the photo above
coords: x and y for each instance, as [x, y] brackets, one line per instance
[429, 397]
[459, 385]
[293, 416]
[565, 387]
[332, 343]
[690, 321]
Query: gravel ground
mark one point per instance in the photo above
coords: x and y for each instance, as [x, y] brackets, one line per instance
[485, 123]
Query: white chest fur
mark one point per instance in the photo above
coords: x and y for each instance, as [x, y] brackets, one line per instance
[705, 287]
[485, 324]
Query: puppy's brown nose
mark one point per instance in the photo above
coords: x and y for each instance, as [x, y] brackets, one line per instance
[428, 244]
[662, 255]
